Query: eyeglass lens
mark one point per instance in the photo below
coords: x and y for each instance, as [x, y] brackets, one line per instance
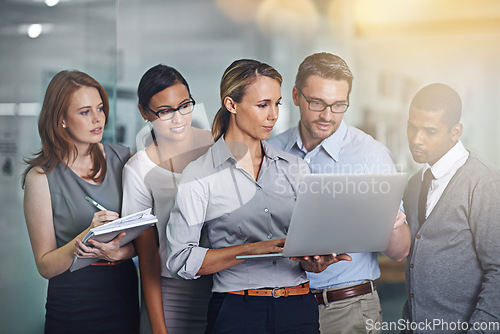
[183, 109]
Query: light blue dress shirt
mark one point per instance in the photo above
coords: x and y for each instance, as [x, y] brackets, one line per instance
[218, 195]
[347, 151]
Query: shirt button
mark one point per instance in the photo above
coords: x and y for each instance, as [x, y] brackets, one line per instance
[308, 160]
[269, 236]
[411, 295]
[411, 265]
[417, 236]
[266, 210]
[274, 262]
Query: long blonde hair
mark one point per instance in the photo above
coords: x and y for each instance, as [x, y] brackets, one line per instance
[236, 78]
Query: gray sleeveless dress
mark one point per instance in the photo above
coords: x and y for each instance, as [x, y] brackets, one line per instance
[94, 299]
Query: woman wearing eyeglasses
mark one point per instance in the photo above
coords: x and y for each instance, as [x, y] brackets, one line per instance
[242, 192]
[150, 180]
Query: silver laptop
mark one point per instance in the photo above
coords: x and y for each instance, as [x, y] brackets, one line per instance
[342, 213]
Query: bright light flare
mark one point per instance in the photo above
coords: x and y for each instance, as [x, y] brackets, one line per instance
[34, 30]
[51, 3]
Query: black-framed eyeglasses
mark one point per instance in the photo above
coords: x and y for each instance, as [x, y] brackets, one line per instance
[166, 114]
[315, 105]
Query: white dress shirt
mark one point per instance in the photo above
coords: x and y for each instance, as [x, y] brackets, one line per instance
[443, 170]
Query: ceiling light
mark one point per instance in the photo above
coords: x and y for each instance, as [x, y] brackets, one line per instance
[51, 3]
[34, 30]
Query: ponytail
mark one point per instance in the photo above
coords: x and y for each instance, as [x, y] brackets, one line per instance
[236, 78]
[220, 124]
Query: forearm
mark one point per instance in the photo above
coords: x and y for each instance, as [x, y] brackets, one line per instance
[150, 275]
[399, 243]
[59, 260]
[485, 227]
[220, 259]
[487, 308]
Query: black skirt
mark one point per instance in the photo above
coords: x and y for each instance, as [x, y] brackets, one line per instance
[94, 299]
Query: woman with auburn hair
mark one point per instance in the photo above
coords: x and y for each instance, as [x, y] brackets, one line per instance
[242, 192]
[150, 180]
[72, 164]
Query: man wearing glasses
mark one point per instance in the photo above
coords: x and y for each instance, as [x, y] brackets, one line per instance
[346, 292]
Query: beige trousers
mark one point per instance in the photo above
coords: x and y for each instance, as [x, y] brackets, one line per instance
[351, 315]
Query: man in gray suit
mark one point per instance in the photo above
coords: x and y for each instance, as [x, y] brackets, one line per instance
[452, 207]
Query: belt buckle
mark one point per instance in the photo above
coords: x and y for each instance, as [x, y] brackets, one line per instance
[324, 294]
[276, 289]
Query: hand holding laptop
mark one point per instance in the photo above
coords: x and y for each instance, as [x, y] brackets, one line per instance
[318, 263]
[311, 263]
[400, 220]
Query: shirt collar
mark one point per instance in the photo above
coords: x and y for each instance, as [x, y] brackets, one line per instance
[221, 153]
[332, 145]
[294, 139]
[271, 152]
[447, 161]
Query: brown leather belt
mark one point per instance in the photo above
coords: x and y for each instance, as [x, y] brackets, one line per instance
[340, 294]
[298, 290]
[107, 263]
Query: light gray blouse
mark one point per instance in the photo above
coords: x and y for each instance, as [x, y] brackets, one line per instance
[216, 193]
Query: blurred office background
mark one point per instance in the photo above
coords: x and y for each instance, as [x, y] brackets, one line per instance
[393, 48]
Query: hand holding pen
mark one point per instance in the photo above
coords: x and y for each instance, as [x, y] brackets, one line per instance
[97, 205]
[103, 216]
[109, 251]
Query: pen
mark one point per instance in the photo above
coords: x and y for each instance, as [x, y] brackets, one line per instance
[97, 205]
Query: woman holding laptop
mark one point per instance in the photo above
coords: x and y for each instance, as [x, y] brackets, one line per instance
[242, 192]
[73, 164]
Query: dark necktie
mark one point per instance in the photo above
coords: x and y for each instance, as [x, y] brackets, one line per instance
[422, 200]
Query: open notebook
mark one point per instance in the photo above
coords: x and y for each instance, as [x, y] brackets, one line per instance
[133, 225]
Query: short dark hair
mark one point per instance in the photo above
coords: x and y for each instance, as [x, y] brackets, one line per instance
[439, 97]
[157, 79]
[325, 65]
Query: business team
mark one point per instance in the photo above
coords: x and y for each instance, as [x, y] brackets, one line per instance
[227, 204]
